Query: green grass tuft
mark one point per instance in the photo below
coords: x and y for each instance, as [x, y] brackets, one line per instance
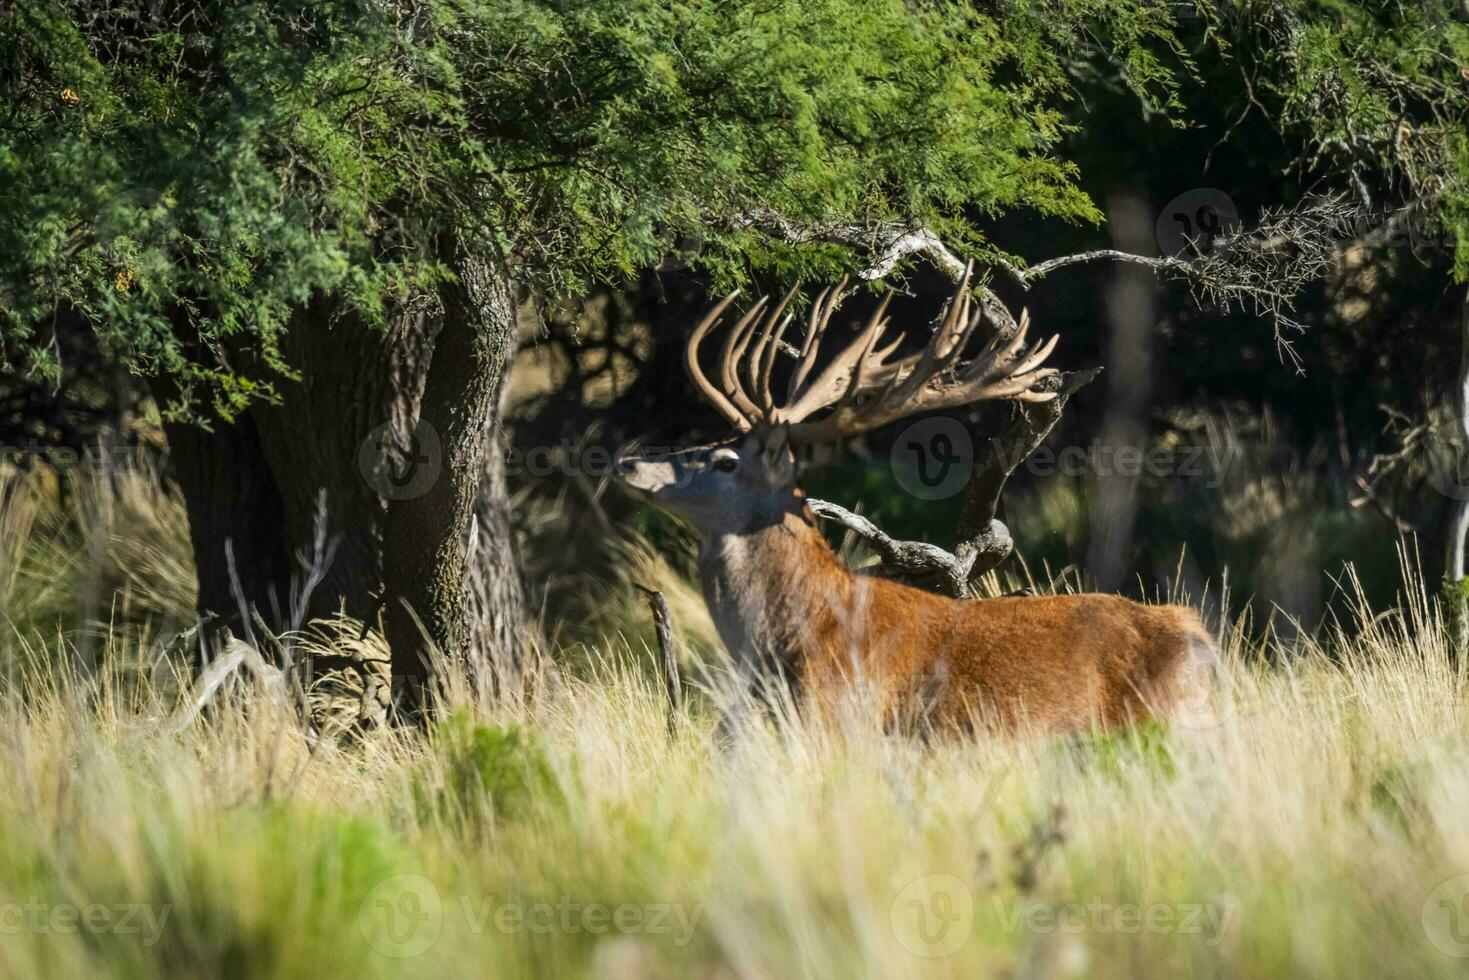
[484, 773]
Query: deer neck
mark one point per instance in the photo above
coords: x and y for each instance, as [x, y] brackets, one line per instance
[770, 589]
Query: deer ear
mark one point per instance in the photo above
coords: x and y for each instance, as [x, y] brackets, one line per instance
[780, 462]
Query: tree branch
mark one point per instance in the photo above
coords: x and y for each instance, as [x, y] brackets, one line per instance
[984, 541]
[1267, 266]
[889, 243]
[1029, 276]
[906, 559]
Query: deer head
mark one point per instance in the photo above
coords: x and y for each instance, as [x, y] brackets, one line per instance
[750, 481]
[740, 485]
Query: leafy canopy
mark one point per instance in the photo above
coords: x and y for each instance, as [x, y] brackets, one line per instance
[185, 175]
[1376, 93]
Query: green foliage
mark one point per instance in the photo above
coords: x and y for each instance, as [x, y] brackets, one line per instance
[187, 176]
[1143, 750]
[484, 773]
[1398, 795]
[1453, 601]
[1378, 92]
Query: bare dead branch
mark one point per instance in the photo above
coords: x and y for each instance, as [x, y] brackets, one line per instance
[907, 559]
[1028, 277]
[889, 243]
[984, 541]
[663, 627]
[1263, 269]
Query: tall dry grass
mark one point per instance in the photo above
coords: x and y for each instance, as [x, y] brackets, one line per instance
[1317, 830]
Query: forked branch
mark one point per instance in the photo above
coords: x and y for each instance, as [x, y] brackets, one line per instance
[984, 541]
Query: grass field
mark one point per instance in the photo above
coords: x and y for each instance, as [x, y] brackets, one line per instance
[1319, 829]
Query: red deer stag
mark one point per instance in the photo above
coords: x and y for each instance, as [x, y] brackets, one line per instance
[785, 605]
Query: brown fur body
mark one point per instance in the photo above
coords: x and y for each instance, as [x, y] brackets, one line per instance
[781, 598]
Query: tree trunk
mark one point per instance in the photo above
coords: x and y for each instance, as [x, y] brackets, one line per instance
[354, 492]
[334, 441]
[1459, 522]
[426, 537]
[236, 522]
[1453, 593]
[1131, 317]
[494, 586]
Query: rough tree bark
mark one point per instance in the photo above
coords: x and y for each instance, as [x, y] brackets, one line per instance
[235, 515]
[296, 486]
[495, 652]
[425, 537]
[357, 384]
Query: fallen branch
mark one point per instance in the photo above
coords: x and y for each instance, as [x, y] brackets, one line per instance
[236, 654]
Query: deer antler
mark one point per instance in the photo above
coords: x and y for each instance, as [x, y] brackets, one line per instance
[859, 384]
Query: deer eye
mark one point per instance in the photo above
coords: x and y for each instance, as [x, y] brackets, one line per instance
[726, 464]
